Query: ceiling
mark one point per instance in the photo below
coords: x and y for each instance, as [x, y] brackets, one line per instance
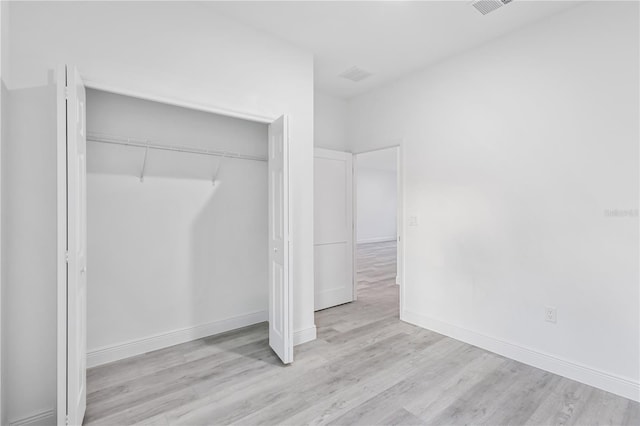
[389, 39]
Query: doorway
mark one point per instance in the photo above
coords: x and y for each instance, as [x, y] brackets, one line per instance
[358, 228]
[377, 228]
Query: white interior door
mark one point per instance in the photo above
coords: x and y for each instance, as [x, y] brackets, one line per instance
[280, 297]
[72, 219]
[333, 228]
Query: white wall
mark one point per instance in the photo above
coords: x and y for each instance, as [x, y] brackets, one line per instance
[174, 252]
[513, 154]
[175, 50]
[330, 122]
[377, 192]
[29, 233]
[4, 105]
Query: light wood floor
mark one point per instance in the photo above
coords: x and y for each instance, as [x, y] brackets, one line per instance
[366, 367]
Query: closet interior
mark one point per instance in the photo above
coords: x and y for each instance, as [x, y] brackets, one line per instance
[177, 225]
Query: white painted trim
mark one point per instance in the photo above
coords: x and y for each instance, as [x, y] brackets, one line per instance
[305, 335]
[397, 144]
[600, 379]
[377, 240]
[402, 230]
[215, 109]
[354, 226]
[44, 418]
[2, 139]
[61, 245]
[163, 340]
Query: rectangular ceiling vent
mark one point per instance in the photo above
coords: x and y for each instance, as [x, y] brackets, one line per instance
[355, 74]
[487, 6]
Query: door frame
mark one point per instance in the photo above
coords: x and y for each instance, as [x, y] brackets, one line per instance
[400, 222]
[61, 186]
[245, 114]
[61, 261]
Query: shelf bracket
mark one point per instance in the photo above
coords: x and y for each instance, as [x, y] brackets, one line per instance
[215, 175]
[144, 164]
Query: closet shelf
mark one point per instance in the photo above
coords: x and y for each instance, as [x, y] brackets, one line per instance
[140, 143]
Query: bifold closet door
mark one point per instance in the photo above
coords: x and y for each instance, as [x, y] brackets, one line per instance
[333, 228]
[72, 248]
[280, 293]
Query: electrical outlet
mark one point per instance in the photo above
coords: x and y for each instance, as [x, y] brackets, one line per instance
[413, 220]
[550, 314]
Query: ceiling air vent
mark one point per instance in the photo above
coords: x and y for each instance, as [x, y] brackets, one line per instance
[486, 6]
[355, 74]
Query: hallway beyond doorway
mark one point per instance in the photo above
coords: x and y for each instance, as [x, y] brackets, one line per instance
[376, 266]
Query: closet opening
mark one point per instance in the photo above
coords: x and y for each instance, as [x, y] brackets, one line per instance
[173, 250]
[177, 225]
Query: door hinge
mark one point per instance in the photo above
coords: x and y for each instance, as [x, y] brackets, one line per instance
[66, 420]
[66, 256]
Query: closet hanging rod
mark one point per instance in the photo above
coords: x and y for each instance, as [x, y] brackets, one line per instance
[144, 144]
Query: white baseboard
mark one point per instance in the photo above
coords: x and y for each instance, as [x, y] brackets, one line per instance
[304, 335]
[140, 346]
[377, 240]
[581, 373]
[45, 418]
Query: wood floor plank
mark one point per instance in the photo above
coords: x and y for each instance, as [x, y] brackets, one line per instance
[366, 367]
[561, 405]
[602, 408]
[432, 369]
[344, 399]
[402, 417]
[367, 377]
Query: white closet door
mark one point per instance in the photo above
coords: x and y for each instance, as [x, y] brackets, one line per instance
[72, 199]
[280, 297]
[333, 228]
